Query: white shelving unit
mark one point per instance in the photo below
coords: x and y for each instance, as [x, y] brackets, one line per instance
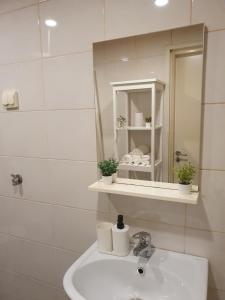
[147, 189]
[154, 89]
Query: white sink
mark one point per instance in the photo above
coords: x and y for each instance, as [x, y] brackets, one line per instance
[168, 276]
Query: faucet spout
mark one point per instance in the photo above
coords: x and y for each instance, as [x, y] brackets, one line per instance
[144, 247]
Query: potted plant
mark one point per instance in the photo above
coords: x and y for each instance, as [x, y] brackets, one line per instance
[115, 165]
[107, 169]
[148, 122]
[121, 122]
[185, 175]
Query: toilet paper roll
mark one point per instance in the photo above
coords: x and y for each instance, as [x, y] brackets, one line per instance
[104, 236]
[139, 120]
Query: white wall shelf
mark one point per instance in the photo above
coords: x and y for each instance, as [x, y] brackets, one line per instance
[147, 189]
[150, 103]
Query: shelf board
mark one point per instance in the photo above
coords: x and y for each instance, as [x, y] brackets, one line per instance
[139, 128]
[146, 189]
[138, 168]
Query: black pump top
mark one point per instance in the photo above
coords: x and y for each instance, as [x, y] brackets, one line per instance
[120, 224]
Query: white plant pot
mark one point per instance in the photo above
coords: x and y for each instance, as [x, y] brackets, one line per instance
[148, 125]
[114, 177]
[185, 188]
[107, 179]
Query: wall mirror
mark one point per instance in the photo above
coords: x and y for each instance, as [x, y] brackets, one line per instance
[148, 95]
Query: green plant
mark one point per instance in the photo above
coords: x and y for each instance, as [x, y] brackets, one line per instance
[185, 173]
[107, 167]
[121, 121]
[148, 119]
[115, 164]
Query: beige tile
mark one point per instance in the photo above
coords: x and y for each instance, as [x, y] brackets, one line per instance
[150, 210]
[212, 246]
[74, 229]
[28, 288]
[5, 213]
[212, 13]
[26, 79]
[154, 44]
[71, 134]
[34, 260]
[69, 181]
[188, 35]
[213, 145]
[9, 5]
[36, 178]
[215, 68]
[120, 50]
[214, 294]
[63, 260]
[69, 81]
[32, 221]
[6, 188]
[164, 236]
[7, 288]
[19, 33]
[4, 252]
[152, 67]
[83, 22]
[130, 17]
[209, 212]
[23, 134]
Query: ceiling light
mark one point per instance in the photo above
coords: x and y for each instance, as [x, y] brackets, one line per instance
[161, 2]
[50, 23]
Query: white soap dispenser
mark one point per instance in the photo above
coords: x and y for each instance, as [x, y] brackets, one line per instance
[121, 242]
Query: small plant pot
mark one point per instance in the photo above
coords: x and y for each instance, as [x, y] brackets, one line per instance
[114, 177]
[107, 179]
[147, 124]
[185, 188]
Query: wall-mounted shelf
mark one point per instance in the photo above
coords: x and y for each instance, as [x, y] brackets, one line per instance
[147, 189]
[127, 167]
[139, 128]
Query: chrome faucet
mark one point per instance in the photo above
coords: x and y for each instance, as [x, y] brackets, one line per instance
[144, 247]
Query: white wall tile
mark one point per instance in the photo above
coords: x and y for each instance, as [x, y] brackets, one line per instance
[34, 260]
[36, 178]
[212, 246]
[29, 288]
[8, 5]
[71, 134]
[212, 13]
[23, 134]
[7, 285]
[5, 213]
[131, 17]
[215, 67]
[208, 214]
[69, 81]
[4, 251]
[63, 260]
[74, 229]
[213, 141]
[26, 79]
[69, 181]
[32, 221]
[20, 39]
[147, 209]
[79, 23]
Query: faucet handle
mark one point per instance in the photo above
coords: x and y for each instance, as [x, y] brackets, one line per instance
[142, 237]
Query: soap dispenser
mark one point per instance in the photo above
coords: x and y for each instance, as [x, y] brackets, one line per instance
[120, 233]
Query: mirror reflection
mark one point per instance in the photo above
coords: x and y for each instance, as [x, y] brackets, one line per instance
[148, 93]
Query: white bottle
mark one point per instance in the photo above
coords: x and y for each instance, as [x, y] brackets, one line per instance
[120, 233]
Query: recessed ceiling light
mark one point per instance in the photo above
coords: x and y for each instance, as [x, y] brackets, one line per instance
[50, 23]
[161, 2]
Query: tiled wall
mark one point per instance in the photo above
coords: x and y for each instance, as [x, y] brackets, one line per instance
[51, 141]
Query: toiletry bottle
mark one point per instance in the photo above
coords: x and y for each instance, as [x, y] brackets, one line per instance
[121, 243]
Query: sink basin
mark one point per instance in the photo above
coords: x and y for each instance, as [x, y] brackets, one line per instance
[167, 276]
